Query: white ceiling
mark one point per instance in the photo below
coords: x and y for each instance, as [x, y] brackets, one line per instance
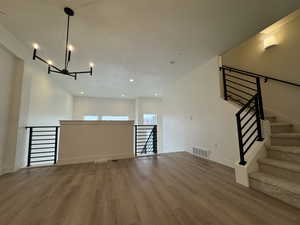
[137, 38]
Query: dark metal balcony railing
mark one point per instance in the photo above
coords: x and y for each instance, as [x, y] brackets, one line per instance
[145, 139]
[42, 145]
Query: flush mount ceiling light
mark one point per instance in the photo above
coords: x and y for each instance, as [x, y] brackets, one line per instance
[68, 52]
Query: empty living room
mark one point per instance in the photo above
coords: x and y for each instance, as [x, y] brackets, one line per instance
[162, 112]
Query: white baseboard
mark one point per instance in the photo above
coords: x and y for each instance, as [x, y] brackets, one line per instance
[94, 158]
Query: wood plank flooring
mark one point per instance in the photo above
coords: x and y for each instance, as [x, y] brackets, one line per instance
[171, 189]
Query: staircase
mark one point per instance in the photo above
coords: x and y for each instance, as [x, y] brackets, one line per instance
[279, 173]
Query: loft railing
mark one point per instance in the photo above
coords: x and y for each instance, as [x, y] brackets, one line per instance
[42, 145]
[145, 139]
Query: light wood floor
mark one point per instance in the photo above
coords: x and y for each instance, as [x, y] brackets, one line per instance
[173, 189]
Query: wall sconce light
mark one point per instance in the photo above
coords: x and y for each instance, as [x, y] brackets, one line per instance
[270, 41]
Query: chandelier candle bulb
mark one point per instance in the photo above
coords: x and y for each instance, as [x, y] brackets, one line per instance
[35, 46]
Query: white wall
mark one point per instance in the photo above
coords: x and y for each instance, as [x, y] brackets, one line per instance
[8, 102]
[103, 106]
[281, 62]
[48, 102]
[151, 106]
[194, 115]
[36, 99]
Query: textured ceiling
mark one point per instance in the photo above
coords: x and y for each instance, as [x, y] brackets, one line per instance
[138, 38]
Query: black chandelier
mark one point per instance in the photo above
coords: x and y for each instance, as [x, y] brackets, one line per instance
[68, 53]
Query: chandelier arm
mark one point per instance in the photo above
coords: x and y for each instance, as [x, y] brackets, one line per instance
[70, 75]
[81, 72]
[44, 61]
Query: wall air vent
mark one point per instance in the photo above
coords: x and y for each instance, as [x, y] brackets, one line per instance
[202, 153]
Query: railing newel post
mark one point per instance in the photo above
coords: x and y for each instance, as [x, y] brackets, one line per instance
[261, 107]
[29, 147]
[224, 84]
[258, 120]
[241, 148]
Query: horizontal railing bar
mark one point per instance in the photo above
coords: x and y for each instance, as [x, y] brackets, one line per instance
[253, 89]
[42, 152]
[42, 148]
[51, 139]
[50, 160]
[240, 90]
[43, 131]
[43, 144]
[250, 136]
[40, 157]
[250, 145]
[41, 127]
[143, 150]
[247, 113]
[238, 101]
[249, 128]
[246, 105]
[238, 95]
[241, 79]
[250, 74]
[43, 135]
[245, 124]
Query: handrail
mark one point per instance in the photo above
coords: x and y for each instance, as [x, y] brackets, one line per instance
[27, 127]
[250, 74]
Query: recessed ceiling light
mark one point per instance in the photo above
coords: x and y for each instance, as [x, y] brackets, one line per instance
[82, 92]
[131, 80]
[123, 95]
[156, 94]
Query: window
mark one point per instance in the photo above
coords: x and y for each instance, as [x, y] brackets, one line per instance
[115, 118]
[150, 119]
[90, 117]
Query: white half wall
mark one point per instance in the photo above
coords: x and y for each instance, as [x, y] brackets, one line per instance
[194, 115]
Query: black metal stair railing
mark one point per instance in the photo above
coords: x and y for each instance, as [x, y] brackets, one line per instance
[249, 126]
[42, 145]
[145, 139]
[246, 91]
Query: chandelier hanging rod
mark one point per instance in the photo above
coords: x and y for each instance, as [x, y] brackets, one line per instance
[68, 52]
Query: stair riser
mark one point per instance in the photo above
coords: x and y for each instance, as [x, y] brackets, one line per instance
[280, 172]
[281, 129]
[285, 141]
[284, 156]
[276, 192]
